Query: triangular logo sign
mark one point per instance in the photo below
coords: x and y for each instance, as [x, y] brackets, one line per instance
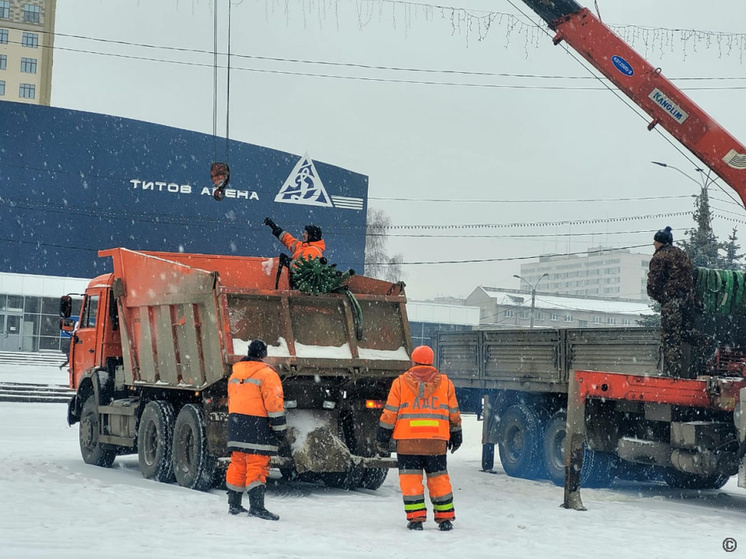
[303, 186]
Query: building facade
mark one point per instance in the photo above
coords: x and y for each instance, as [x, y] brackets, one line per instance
[427, 317]
[26, 50]
[507, 308]
[73, 183]
[600, 273]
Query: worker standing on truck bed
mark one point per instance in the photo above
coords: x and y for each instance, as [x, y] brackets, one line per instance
[311, 245]
[256, 426]
[422, 415]
[671, 284]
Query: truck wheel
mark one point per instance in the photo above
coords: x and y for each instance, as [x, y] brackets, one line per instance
[193, 465]
[342, 480]
[154, 441]
[520, 442]
[373, 478]
[598, 467]
[92, 451]
[682, 480]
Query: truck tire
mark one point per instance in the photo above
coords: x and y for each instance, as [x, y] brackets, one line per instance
[193, 464]
[373, 478]
[520, 441]
[92, 451]
[155, 441]
[598, 467]
[682, 480]
[351, 479]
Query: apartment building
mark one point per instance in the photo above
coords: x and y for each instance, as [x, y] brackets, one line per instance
[26, 47]
[604, 273]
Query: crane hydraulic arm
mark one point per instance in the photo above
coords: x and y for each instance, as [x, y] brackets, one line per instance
[646, 86]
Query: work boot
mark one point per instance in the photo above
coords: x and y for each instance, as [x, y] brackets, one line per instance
[234, 502]
[415, 525]
[445, 526]
[256, 501]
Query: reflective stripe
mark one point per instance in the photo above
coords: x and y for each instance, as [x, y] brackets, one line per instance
[439, 417]
[390, 408]
[439, 473]
[414, 506]
[235, 488]
[389, 426]
[279, 427]
[405, 472]
[443, 507]
[453, 410]
[254, 484]
[443, 499]
[424, 422]
[414, 498]
[252, 446]
[276, 414]
[245, 380]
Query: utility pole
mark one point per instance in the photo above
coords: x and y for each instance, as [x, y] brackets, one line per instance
[533, 295]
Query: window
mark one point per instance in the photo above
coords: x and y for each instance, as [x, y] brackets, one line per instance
[568, 318]
[525, 315]
[5, 9]
[3, 36]
[596, 320]
[2, 88]
[553, 317]
[31, 13]
[3, 62]
[89, 314]
[610, 320]
[30, 40]
[27, 91]
[626, 322]
[28, 65]
[509, 313]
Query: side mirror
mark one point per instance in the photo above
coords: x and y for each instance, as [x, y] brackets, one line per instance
[66, 306]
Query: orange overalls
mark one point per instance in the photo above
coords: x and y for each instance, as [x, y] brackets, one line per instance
[256, 416]
[314, 249]
[420, 413]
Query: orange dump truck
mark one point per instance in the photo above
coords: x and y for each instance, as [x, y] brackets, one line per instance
[154, 347]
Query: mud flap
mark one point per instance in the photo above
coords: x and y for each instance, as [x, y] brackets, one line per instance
[73, 415]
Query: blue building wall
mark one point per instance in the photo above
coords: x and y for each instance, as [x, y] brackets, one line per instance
[72, 183]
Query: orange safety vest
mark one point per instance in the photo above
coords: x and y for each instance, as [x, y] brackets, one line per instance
[300, 249]
[256, 410]
[419, 409]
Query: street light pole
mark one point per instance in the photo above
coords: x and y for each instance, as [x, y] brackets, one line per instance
[533, 295]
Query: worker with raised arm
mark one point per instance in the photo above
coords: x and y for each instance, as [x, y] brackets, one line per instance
[421, 414]
[311, 245]
[256, 426]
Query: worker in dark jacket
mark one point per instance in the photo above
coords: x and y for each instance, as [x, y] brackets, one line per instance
[671, 284]
[310, 246]
[256, 426]
[422, 416]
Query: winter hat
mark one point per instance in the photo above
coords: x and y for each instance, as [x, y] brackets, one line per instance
[664, 236]
[258, 349]
[314, 232]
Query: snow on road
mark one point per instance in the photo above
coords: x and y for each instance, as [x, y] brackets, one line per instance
[52, 505]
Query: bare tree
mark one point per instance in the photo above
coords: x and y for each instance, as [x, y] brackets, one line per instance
[378, 264]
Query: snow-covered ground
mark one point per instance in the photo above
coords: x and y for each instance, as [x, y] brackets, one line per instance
[52, 505]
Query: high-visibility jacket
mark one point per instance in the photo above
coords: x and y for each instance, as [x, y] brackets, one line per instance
[256, 411]
[300, 249]
[421, 405]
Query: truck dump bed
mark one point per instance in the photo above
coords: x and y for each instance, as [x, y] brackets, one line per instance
[186, 318]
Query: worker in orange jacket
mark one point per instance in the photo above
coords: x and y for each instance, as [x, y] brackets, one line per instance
[256, 426]
[422, 416]
[311, 245]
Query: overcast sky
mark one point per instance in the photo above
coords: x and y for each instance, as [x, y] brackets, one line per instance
[498, 149]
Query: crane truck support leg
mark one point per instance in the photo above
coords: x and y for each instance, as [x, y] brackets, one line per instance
[740, 418]
[574, 443]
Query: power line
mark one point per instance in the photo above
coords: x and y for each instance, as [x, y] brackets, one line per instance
[529, 201]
